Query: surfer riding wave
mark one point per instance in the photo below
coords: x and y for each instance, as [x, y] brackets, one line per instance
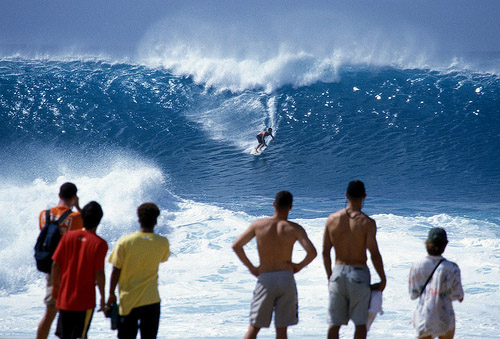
[261, 138]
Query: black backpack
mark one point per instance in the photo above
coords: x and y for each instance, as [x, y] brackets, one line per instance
[47, 242]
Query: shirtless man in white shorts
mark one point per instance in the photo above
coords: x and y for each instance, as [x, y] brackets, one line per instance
[351, 233]
[275, 287]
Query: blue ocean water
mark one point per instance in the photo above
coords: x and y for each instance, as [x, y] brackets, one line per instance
[426, 143]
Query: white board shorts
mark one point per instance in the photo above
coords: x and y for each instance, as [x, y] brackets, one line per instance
[275, 291]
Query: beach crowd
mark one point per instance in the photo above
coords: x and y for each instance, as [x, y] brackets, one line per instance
[73, 257]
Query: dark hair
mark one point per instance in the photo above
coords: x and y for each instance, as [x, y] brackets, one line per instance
[434, 249]
[148, 213]
[356, 189]
[91, 215]
[437, 240]
[283, 200]
[67, 191]
[269, 129]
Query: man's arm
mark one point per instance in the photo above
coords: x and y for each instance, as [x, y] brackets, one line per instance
[311, 253]
[376, 257]
[76, 203]
[242, 240]
[100, 279]
[115, 277]
[327, 248]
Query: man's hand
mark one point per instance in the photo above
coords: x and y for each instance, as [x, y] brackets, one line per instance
[296, 268]
[111, 299]
[76, 203]
[103, 305]
[378, 286]
[255, 271]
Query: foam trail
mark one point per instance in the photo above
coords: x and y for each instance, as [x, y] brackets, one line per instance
[237, 119]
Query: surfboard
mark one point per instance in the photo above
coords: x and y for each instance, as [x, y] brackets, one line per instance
[259, 152]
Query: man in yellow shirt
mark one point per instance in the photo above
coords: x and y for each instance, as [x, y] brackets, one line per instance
[135, 260]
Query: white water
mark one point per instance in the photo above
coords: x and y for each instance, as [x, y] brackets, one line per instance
[206, 291]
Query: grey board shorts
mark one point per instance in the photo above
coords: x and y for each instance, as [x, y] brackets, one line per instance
[275, 291]
[349, 291]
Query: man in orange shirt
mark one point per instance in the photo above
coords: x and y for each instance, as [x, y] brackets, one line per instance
[67, 199]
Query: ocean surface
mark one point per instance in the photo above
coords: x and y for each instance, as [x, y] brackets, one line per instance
[425, 142]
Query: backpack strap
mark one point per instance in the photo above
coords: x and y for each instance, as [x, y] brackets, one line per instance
[63, 216]
[58, 221]
[430, 276]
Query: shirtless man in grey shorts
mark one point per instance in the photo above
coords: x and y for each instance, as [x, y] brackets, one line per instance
[275, 287]
[351, 233]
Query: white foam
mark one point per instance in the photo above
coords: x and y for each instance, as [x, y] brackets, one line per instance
[250, 53]
[119, 185]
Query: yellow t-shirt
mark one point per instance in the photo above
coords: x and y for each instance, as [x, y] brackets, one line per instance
[138, 256]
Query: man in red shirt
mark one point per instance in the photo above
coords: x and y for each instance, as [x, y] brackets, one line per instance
[79, 265]
[67, 200]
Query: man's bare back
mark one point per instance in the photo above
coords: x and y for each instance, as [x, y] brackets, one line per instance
[349, 234]
[275, 240]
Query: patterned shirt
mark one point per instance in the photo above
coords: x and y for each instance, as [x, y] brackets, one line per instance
[434, 313]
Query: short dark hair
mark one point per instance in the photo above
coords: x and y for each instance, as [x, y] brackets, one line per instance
[437, 240]
[148, 213]
[356, 189]
[67, 190]
[433, 249]
[91, 215]
[283, 200]
[269, 129]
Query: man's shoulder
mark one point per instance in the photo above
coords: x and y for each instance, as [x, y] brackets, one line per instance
[100, 240]
[292, 224]
[261, 222]
[450, 264]
[368, 220]
[160, 238]
[127, 237]
[57, 211]
[134, 236]
[335, 216]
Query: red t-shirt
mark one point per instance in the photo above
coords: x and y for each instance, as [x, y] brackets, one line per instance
[80, 253]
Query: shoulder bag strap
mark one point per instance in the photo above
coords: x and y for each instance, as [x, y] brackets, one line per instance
[430, 276]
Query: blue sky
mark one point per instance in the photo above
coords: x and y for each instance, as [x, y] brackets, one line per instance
[119, 26]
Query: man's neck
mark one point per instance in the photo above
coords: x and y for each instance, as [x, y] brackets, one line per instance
[147, 230]
[281, 215]
[64, 203]
[354, 208]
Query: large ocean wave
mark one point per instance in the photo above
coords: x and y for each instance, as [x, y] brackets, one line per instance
[414, 129]
[425, 143]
